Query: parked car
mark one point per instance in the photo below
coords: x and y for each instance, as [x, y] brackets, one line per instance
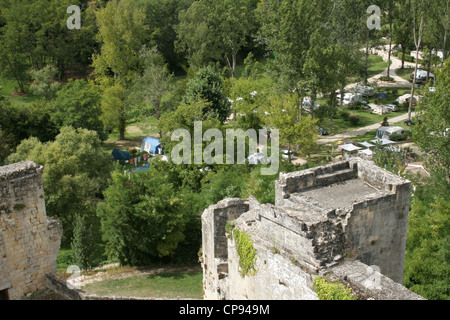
[322, 131]
[391, 107]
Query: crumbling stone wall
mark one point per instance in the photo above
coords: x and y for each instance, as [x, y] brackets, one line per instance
[29, 240]
[323, 218]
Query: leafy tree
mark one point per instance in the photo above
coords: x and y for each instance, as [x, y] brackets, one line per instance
[249, 96]
[150, 88]
[162, 19]
[34, 34]
[427, 251]
[184, 117]
[389, 158]
[76, 172]
[122, 32]
[144, 216]
[285, 30]
[216, 30]
[77, 104]
[401, 31]
[6, 143]
[295, 129]
[208, 85]
[43, 82]
[427, 248]
[20, 123]
[84, 244]
[432, 134]
[115, 109]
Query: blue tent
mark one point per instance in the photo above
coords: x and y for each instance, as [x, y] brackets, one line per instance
[151, 145]
[121, 155]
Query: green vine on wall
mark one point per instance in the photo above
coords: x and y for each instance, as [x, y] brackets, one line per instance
[245, 251]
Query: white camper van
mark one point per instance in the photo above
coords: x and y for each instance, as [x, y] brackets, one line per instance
[365, 91]
[351, 98]
[387, 132]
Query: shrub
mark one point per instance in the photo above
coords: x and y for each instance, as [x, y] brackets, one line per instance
[354, 119]
[332, 290]
[345, 115]
[246, 253]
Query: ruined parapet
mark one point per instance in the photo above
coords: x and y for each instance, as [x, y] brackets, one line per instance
[214, 245]
[366, 205]
[29, 240]
[323, 217]
[369, 284]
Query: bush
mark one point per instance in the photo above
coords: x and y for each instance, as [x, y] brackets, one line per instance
[354, 119]
[332, 290]
[385, 78]
[345, 115]
[408, 58]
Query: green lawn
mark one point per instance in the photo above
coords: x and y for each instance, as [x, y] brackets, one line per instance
[376, 65]
[8, 88]
[184, 285]
[405, 73]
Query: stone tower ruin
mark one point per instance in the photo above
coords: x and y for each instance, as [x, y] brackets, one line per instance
[29, 240]
[346, 220]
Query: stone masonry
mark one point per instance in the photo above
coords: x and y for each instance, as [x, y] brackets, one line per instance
[347, 220]
[29, 240]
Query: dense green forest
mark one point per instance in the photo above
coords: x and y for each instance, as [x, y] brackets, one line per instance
[66, 94]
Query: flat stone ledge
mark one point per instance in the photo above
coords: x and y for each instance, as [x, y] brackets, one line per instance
[369, 284]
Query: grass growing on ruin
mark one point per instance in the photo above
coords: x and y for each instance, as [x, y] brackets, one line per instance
[171, 285]
[246, 253]
[327, 290]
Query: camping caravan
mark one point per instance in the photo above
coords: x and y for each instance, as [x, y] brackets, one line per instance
[151, 145]
[365, 91]
[387, 132]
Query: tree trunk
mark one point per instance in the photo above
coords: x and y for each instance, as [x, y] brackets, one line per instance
[403, 57]
[429, 64]
[444, 51]
[390, 50]
[367, 60]
[417, 43]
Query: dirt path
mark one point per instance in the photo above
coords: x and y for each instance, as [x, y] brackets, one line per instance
[360, 131]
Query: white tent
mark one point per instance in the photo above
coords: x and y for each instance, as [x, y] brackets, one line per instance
[383, 142]
[366, 152]
[257, 158]
[405, 98]
[366, 144]
[349, 147]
